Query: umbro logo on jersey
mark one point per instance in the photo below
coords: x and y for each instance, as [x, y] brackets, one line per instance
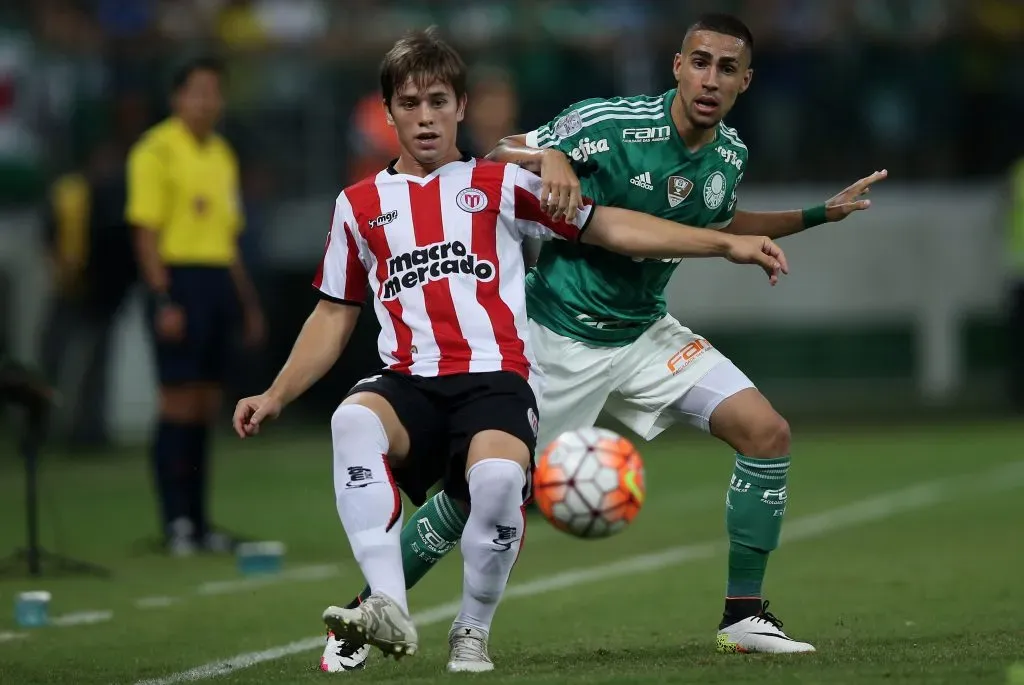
[643, 181]
[679, 188]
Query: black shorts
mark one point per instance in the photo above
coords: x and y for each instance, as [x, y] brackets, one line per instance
[442, 414]
[207, 296]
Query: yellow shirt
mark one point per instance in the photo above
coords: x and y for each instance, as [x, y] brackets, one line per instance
[188, 191]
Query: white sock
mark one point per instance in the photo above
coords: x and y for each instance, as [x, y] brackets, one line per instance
[368, 500]
[490, 541]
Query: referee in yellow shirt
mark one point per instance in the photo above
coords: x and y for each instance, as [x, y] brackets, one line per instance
[184, 205]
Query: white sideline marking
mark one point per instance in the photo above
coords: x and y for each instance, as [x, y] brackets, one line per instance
[302, 573]
[155, 602]
[868, 510]
[82, 618]
[11, 637]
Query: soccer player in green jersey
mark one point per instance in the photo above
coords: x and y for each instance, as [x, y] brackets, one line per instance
[598, 322]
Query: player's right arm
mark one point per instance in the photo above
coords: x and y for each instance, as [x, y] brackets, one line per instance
[342, 283]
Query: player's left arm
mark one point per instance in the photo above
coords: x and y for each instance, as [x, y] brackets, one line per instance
[777, 225]
[639, 235]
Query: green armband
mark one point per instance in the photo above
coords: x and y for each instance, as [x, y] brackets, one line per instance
[814, 216]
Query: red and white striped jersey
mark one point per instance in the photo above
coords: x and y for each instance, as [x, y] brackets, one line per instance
[443, 256]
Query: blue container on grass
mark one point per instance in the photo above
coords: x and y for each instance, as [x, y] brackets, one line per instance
[32, 609]
[256, 558]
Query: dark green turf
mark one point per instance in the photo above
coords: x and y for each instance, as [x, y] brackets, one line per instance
[930, 595]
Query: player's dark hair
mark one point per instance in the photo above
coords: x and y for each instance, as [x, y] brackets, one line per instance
[184, 72]
[726, 24]
[424, 57]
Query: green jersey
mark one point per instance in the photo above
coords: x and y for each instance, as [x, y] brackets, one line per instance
[627, 153]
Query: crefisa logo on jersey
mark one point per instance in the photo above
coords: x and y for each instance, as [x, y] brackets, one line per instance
[714, 190]
[586, 148]
[471, 200]
[679, 188]
[432, 263]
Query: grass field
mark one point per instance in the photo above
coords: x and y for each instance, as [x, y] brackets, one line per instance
[902, 561]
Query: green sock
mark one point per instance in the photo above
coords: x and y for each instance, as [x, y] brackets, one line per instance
[427, 537]
[755, 505]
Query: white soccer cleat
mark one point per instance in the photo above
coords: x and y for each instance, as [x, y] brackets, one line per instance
[343, 655]
[761, 633]
[378, 621]
[468, 650]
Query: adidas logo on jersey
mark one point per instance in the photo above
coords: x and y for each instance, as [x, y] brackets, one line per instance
[643, 181]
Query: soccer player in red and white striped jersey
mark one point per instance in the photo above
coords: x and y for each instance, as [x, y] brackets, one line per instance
[443, 255]
[436, 238]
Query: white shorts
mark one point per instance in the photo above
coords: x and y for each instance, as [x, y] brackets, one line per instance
[668, 374]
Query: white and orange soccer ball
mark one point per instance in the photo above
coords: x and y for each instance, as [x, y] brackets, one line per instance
[589, 482]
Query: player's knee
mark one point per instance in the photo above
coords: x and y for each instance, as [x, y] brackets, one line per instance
[496, 489]
[182, 404]
[350, 424]
[769, 437]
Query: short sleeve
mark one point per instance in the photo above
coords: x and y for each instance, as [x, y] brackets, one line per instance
[533, 222]
[562, 132]
[342, 276]
[147, 190]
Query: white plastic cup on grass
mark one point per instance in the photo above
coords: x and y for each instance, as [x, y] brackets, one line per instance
[32, 609]
[256, 558]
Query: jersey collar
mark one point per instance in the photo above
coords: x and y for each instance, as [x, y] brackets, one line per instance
[450, 166]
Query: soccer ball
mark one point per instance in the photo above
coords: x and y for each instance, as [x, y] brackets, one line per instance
[589, 482]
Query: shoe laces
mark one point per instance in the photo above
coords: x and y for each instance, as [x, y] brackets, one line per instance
[347, 648]
[469, 647]
[768, 617]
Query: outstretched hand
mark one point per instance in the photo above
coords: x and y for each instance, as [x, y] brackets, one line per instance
[759, 250]
[250, 412]
[851, 199]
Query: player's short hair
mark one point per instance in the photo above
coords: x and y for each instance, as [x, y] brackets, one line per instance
[424, 57]
[186, 69]
[727, 24]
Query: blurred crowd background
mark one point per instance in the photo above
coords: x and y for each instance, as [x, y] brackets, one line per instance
[930, 89]
[837, 80]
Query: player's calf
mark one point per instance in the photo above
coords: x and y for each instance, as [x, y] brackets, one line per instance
[755, 506]
[490, 544]
[427, 537]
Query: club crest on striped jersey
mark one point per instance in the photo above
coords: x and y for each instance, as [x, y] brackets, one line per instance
[568, 125]
[471, 200]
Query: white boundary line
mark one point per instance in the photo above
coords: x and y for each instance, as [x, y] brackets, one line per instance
[872, 509]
